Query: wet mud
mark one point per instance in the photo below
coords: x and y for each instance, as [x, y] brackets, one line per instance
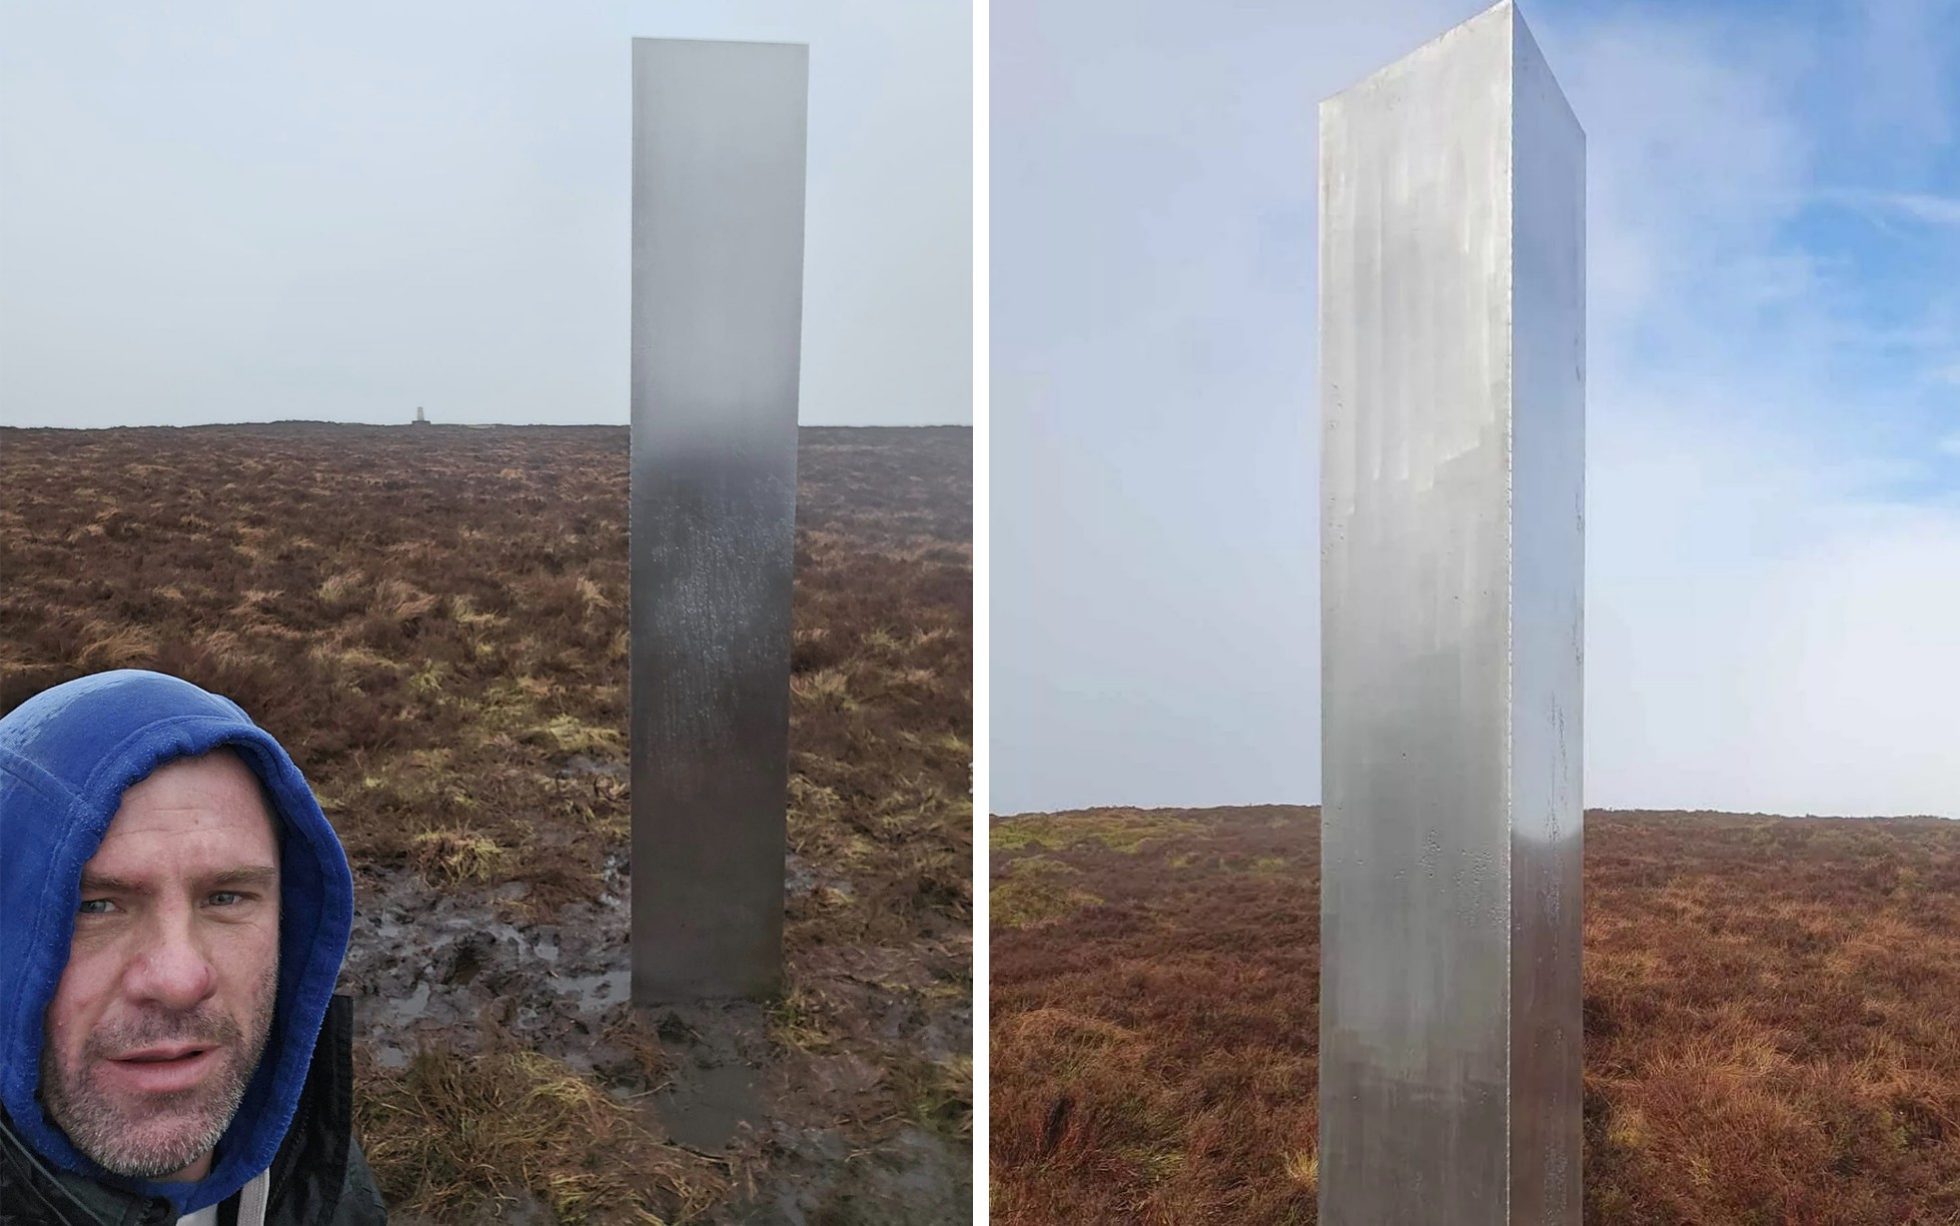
[809, 1136]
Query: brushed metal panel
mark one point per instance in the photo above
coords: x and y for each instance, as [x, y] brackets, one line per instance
[1548, 507]
[718, 178]
[1450, 586]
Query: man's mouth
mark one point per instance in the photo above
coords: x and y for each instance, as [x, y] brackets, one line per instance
[155, 1055]
[163, 1069]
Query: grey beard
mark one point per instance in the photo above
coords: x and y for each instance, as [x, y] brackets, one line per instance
[103, 1130]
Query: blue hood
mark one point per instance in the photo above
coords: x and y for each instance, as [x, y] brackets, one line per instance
[66, 757]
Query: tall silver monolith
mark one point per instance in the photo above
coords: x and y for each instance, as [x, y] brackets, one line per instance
[718, 174]
[1452, 295]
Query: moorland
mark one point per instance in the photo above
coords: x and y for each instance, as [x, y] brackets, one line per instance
[432, 620]
[1772, 1018]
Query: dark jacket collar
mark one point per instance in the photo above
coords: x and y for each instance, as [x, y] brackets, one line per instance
[309, 1171]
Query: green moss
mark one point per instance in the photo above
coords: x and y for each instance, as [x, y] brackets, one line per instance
[935, 1094]
[569, 734]
[1034, 890]
[1123, 830]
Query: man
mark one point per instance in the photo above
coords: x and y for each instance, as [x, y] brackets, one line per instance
[174, 909]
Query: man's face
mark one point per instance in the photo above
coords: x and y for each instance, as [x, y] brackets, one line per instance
[160, 1017]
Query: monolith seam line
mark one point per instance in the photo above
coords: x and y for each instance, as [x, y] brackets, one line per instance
[1508, 214]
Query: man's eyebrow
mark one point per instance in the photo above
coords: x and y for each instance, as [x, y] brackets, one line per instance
[103, 883]
[263, 876]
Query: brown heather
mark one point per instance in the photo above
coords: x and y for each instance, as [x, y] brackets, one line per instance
[433, 621]
[1772, 1010]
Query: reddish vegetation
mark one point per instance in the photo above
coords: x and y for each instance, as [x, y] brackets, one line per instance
[433, 621]
[1772, 1018]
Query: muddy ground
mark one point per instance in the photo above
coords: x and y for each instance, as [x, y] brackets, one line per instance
[431, 968]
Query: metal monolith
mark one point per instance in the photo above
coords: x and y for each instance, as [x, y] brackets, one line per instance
[718, 176]
[1452, 308]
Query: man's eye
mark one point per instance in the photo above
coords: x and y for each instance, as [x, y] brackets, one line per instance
[96, 906]
[227, 898]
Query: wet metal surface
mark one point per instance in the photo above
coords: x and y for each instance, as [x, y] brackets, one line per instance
[1452, 392]
[718, 175]
[705, 1111]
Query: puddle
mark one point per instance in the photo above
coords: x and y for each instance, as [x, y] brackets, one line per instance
[706, 1106]
[595, 992]
[801, 878]
[469, 960]
[404, 1011]
[580, 766]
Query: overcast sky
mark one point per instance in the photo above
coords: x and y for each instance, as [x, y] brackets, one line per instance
[243, 212]
[1773, 515]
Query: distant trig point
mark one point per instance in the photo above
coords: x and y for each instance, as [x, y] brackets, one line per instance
[1452, 384]
[718, 142]
[421, 418]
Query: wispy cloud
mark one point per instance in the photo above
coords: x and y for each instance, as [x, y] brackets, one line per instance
[1932, 210]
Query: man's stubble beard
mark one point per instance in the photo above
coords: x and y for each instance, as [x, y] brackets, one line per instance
[101, 1127]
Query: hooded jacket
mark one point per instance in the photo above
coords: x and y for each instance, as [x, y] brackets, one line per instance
[66, 758]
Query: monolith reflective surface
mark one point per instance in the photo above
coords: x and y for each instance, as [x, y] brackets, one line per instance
[718, 175]
[1452, 354]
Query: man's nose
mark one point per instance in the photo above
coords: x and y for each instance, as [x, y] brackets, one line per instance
[171, 968]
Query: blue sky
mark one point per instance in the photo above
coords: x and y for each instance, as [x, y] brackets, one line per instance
[1774, 397]
[228, 211]
[1817, 211]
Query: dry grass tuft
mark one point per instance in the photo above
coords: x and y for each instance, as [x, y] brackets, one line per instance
[461, 1138]
[447, 857]
[116, 647]
[1302, 1166]
[339, 591]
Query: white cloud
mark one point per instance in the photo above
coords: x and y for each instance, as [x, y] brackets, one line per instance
[1764, 632]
